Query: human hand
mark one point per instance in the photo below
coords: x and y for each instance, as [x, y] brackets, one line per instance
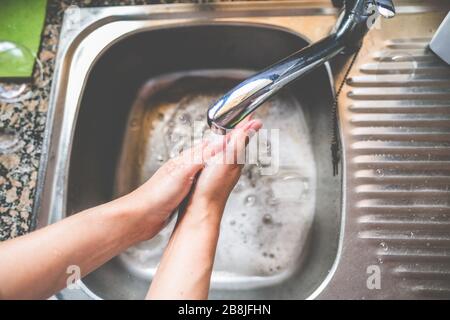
[223, 167]
[163, 193]
[194, 239]
[160, 195]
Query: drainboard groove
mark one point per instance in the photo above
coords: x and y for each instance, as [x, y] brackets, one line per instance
[370, 206]
[372, 162]
[411, 56]
[389, 149]
[405, 195]
[408, 181]
[399, 93]
[403, 107]
[431, 271]
[401, 188]
[407, 70]
[372, 222]
[401, 236]
[407, 46]
[415, 40]
[398, 81]
[431, 290]
[363, 207]
[414, 44]
[373, 135]
[372, 177]
[417, 254]
[401, 120]
[405, 55]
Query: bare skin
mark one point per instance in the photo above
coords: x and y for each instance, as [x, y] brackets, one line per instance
[34, 266]
[186, 267]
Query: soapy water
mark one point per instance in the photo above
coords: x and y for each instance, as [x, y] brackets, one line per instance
[267, 217]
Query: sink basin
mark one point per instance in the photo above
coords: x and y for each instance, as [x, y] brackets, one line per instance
[138, 109]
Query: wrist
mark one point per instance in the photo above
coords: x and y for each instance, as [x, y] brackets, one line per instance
[204, 212]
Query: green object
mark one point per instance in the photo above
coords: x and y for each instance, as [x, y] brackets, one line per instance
[21, 23]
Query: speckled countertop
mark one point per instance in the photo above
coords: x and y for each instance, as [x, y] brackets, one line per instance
[22, 124]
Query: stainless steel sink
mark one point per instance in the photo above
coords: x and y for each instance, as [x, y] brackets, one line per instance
[131, 79]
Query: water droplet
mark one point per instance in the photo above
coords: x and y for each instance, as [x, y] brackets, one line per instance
[379, 172]
[174, 153]
[250, 200]
[272, 201]
[384, 246]
[9, 141]
[171, 124]
[134, 124]
[174, 137]
[185, 118]
[240, 185]
[160, 158]
[267, 218]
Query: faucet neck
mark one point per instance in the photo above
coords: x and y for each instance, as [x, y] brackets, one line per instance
[353, 24]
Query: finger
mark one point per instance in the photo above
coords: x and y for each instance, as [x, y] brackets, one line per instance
[187, 164]
[194, 155]
[216, 144]
[245, 121]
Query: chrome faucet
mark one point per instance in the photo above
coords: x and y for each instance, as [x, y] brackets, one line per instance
[353, 24]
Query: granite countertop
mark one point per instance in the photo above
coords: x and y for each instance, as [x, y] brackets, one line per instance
[22, 124]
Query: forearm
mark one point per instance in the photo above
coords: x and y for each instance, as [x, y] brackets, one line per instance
[35, 265]
[186, 267]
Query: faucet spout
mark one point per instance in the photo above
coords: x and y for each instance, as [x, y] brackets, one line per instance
[247, 96]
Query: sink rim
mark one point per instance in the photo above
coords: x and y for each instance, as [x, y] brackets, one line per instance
[97, 16]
